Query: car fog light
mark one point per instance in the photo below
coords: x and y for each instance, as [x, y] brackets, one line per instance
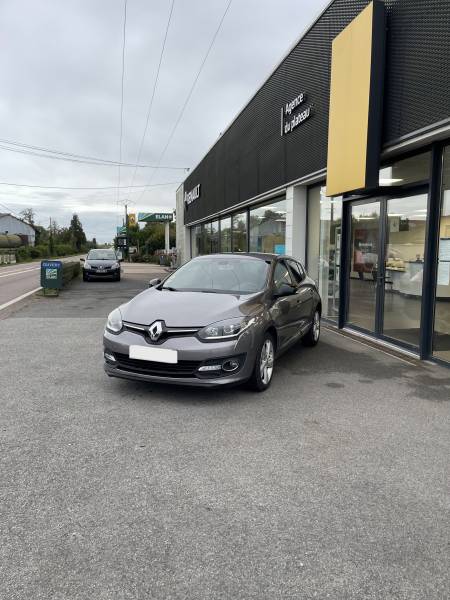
[230, 365]
[210, 368]
[109, 357]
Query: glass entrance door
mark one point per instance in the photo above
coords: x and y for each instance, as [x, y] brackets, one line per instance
[364, 261]
[387, 246]
[404, 263]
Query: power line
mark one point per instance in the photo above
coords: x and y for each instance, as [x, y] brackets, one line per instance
[112, 187]
[78, 158]
[8, 208]
[150, 106]
[188, 97]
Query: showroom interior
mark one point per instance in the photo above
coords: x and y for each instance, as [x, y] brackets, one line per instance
[343, 161]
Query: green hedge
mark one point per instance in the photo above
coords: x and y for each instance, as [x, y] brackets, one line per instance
[41, 251]
[70, 271]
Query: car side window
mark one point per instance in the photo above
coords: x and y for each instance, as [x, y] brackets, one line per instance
[281, 275]
[297, 271]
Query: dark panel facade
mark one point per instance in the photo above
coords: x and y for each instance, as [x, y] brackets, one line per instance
[252, 157]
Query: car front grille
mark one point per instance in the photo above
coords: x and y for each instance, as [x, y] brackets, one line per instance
[168, 332]
[184, 368]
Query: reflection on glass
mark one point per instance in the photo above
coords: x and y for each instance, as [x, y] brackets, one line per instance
[441, 337]
[215, 236]
[329, 253]
[268, 228]
[196, 240]
[364, 265]
[206, 238]
[408, 170]
[239, 238]
[225, 234]
[404, 259]
[324, 246]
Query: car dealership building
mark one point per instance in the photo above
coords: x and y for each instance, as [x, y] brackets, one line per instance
[342, 159]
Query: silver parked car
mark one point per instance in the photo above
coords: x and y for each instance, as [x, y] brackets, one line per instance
[218, 320]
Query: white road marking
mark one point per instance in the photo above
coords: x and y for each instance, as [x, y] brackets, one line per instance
[19, 298]
[19, 272]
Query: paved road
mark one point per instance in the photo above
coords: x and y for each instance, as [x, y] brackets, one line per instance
[19, 279]
[333, 484]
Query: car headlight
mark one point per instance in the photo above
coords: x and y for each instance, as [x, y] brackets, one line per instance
[86, 266]
[114, 322]
[229, 328]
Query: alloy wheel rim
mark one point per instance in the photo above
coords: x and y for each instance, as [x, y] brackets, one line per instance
[316, 327]
[266, 362]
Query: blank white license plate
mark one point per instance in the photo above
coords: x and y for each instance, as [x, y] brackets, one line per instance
[161, 355]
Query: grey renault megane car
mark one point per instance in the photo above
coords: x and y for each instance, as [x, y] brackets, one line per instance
[218, 320]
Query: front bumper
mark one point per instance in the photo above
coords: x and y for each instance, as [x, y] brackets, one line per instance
[191, 351]
[101, 273]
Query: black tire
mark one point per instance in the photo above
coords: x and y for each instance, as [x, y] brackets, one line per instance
[85, 277]
[118, 277]
[311, 337]
[256, 381]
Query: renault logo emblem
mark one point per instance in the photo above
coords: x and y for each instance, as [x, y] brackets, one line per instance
[155, 330]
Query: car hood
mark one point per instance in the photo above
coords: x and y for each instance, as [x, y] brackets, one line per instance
[188, 309]
[101, 263]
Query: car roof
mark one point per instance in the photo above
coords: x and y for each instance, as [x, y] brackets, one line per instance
[266, 256]
[260, 255]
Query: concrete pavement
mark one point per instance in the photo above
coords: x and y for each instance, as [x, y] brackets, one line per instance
[333, 484]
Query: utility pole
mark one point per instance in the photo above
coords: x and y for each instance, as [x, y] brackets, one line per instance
[50, 239]
[127, 253]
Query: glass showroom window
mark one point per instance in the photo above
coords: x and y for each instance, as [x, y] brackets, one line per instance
[324, 247]
[408, 170]
[268, 228]
[441, 338]
[206, 238]
[239, 237]
[196, 240]
[215, 236]
[225, 234]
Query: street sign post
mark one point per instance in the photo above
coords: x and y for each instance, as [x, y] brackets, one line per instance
[51, 275]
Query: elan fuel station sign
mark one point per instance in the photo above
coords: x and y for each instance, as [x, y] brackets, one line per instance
[155, 217]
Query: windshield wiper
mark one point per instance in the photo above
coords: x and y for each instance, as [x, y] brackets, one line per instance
[171, 289]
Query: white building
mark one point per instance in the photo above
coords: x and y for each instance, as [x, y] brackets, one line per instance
[13, 225]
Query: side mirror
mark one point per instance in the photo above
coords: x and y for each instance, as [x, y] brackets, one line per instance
[154, 282]
[82, 259]
[284, 290]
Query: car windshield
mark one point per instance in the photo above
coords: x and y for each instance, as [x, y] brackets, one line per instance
[102, 255]
[220, 275]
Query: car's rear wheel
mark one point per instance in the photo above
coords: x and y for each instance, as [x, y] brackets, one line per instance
[264, 365]
[312, 336]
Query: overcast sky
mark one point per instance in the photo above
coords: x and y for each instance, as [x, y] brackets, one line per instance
[60, 81]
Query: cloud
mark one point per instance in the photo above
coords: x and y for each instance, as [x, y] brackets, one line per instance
[60, 75]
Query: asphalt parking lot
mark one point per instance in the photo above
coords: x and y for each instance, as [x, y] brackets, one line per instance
[333, 484]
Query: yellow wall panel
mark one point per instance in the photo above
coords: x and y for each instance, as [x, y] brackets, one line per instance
[351, 90]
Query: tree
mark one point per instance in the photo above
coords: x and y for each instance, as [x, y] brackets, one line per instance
[78, 236]
[28, 216]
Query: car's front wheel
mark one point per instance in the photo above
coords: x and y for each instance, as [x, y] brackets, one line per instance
[85, 277]
[312, 336]
[264, 364]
